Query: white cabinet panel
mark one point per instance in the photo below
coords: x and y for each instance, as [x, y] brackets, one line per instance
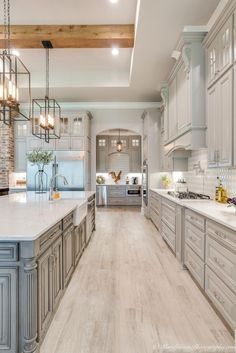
[77, 143]
[226, 45]
[225, 121]
[212, 61]
[173, 124]
[63, 144]
[33, 143]
[212, 113]
[183, 99]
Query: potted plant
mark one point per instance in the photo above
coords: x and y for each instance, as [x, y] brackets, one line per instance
[166, 181]
[40, 158]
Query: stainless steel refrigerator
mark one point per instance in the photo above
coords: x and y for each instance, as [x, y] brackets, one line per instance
[68, 163]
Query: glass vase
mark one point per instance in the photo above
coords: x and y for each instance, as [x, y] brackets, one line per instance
[41, 182]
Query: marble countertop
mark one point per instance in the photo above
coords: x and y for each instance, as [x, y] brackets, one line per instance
[26, 216]
[215, 211]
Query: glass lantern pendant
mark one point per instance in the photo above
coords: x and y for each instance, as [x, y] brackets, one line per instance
[13, 73]
[119, 144]
[46, 115]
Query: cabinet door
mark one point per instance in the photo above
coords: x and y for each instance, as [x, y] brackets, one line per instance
[77, 126]
[213, 61]
[57, 272]
[102, 154]
[77, 244]
[77, 143]
[225, 122]
[63, 144]
[183, 99]
[172, 116]
[20, 155]
[226, 45]
[8, 310]
[212, 116]
[21, 129]
[135, 154]
[68, 261]
[65, 126]
[49, 146]
[45, 306]
[87, 168]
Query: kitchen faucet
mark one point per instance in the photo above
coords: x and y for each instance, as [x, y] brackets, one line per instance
[52, 184]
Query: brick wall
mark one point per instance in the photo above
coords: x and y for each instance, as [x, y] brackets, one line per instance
[6, 153]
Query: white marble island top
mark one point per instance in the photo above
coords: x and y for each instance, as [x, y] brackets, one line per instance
[210, 209]
[26, 216]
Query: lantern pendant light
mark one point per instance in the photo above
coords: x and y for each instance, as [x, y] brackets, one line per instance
[46, 113]
[12, 73]
[119, 144]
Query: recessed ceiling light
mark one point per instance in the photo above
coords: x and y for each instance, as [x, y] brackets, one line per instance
[114, 1]
[15, 52]
[115, 51]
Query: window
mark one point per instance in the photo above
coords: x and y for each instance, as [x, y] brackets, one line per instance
[102, 143]
[135, 142]
[124, 143]
[113, 143]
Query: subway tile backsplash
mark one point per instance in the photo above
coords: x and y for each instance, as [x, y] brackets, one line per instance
[205, 182]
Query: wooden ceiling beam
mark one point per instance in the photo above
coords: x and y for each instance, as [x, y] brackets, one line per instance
[70, 36]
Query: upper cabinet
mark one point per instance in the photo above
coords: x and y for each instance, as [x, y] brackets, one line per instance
[219, 44]
[183, 96]
[220, 52]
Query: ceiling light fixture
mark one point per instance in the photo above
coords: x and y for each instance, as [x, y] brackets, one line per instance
[46, 116]
[114, 1]
[119, 144]
[115, 51]
[12, 74]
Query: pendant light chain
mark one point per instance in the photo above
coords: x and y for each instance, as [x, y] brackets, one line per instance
[8, 27]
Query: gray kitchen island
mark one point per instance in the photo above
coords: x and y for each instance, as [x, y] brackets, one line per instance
[41, 243]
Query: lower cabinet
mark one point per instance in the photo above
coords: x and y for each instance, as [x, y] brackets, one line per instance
[50, 285]
[8, 310]
[79, 241]
[90, 223]
[68, 258]
[195, 265]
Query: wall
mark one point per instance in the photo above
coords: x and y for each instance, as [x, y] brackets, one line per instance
[6, 153]
[105, 119]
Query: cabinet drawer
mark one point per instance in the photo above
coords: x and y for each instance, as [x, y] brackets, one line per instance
[117, 201]
[195, 265]
[8, 252]
[222, 261]
[116, 191]
[67, 221]
[168, 215]
[155, 218]
[221, 296]
[195, 238]
[222, 234]
[168, 235]
[195, 219]
[133, 201]
[46, 239]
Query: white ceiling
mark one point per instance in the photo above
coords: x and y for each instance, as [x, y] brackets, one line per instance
[94, 74]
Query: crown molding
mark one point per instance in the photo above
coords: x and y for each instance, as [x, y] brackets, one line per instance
[73, 106]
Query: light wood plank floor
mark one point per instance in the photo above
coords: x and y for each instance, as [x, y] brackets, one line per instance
[129, 295]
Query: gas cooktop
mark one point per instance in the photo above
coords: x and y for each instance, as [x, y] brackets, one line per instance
[188, 195]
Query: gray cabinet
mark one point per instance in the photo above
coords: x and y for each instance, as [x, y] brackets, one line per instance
[79, 241]
[102, 154]
[8, 310]
[57, 277]
[68, 262]
[90, 220]
[135, 154]
[45, 306]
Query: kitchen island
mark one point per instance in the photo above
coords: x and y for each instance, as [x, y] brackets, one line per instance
[41, 243]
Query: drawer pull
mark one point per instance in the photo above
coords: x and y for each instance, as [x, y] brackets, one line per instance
[218, 262]
[221, 235]
[193, 239]
[220, 300]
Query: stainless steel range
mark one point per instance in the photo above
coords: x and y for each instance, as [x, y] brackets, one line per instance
[188, 195]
